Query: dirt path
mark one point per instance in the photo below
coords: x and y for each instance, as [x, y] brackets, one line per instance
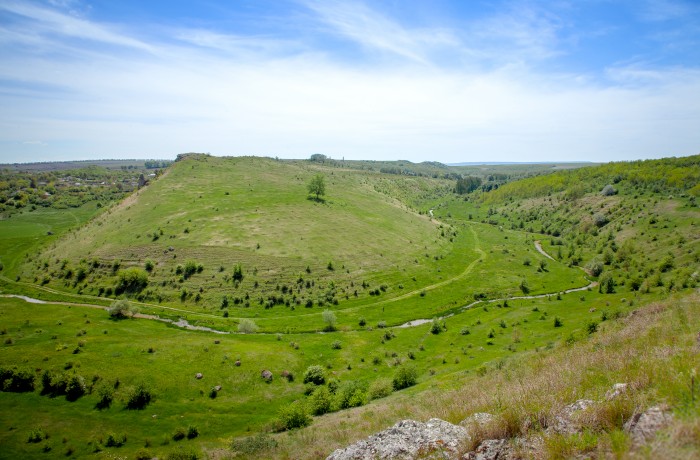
[538, 246]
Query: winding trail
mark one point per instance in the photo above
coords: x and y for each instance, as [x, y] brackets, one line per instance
[183, 323]
[538, 246]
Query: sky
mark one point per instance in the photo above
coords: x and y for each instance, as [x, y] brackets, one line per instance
[418, 80]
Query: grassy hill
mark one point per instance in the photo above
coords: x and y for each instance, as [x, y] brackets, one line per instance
[505, 328]
[362, 251]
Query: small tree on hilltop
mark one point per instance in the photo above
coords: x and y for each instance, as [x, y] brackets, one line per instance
[317, 186]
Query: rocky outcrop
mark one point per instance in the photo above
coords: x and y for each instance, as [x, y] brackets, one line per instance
[566, 421]
[407, 440]
[643, 427]
[436, 438]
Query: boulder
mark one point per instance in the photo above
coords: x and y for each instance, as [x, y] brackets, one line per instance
[266, 375]
[217, 388]
[565, 421]
[643, 427]
[492, 449]
[408, 439]
[198, 375]
[237, 363]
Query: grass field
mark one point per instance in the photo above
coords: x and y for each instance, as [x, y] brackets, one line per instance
[488, 302]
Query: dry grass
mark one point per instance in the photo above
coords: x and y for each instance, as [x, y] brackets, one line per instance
[653, 350]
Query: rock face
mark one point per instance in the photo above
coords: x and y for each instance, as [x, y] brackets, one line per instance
[643, 427]
[407, 440]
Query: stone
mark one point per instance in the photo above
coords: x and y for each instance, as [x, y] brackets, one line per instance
[408, 439]
[564, 422]
[266, 375]
[479, 419]
[643, 427]
[492, 449]
[237, 363]
[617, 390]
[217, 388]
[198, 376]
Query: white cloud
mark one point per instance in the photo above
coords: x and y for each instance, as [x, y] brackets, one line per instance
[228, 94]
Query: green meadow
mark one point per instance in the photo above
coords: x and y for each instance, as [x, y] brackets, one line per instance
[229, 242]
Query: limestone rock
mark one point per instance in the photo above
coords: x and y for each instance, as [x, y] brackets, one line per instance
[617, 390]
[492, 449]
[408, 439]
[643, 427]
[565, 422]
[198, 376]
[478, 419]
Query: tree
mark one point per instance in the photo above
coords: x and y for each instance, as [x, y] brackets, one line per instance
[247, 326]
[330, 319]
[467, 184]
[317, 186]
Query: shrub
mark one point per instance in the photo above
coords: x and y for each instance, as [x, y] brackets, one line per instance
[595, 267]
[138, 397]
[351, 394]
[600, 220]
[362, 322]
[330, 319]
[105, 395]
[406, 376]
[381, 324]
[149, 265]
[592, 327]
[608, 190]
[179, 434]
[293, 416]
[435, 327]
[143, 454]
[315, 374]
[336, 345]
[121, 309]
[247, 326]
[465, 331]
[75, 387]
[238, 273]
[115, 440]
[16, 380]
[131, 280]
[192, 432]
[189, 269]
[558, 322]
[36, 435]
[380, 388]
[321, 401]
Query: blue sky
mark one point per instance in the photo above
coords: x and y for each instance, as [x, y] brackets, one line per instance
[429, 80]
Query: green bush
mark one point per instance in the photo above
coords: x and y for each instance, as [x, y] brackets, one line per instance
[179, 434]
[138, 397]
[131, 280]
[380, 388]
[75, 387]
[321, 401]
[336, 345]
[351, 394]
[115, 440]
[247, 326]
[192, 432]
[36, 435]
[16, 380]
[315, 374]
[293, 416]
[182, 454]
[405, 376]
[105, 396]
[121, 309]
[435, 327]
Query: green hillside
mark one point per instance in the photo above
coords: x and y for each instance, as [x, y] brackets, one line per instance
[226, 238]
[504, 327]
